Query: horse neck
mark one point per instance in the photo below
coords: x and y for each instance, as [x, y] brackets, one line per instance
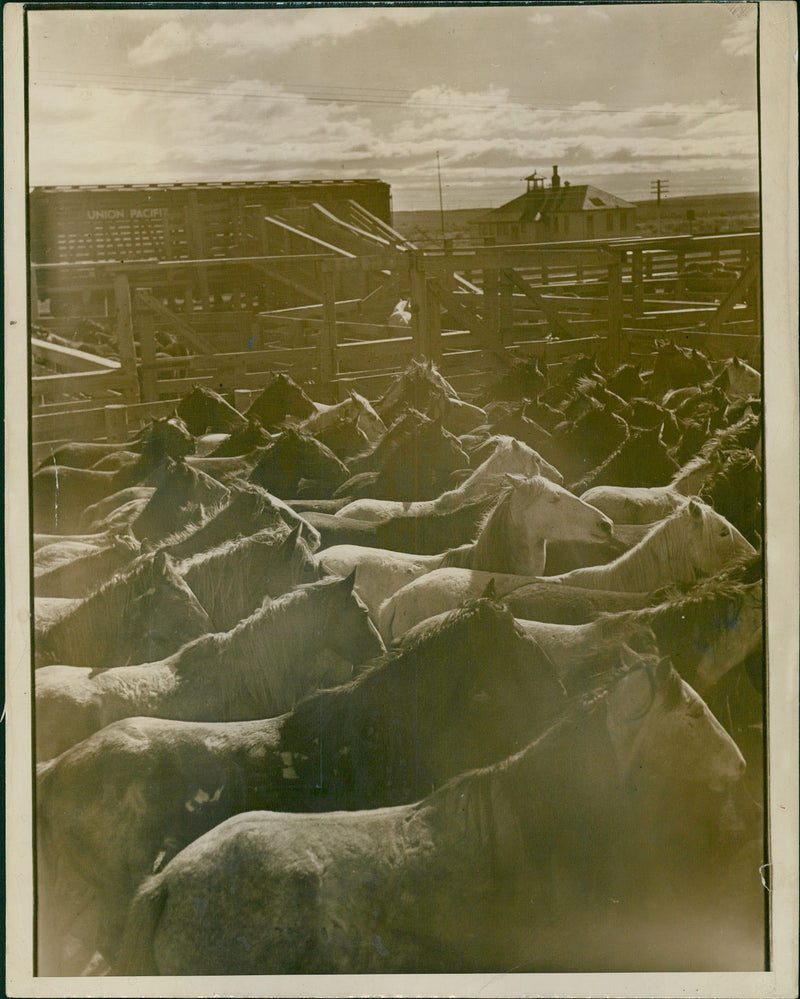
[692, 476]
[643, 567]
[273, 649]
[504, 547]
[528, 807]
[101, 612]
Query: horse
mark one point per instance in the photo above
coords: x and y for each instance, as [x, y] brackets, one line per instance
[232, 580]
[169, 436]
[422, 534]
[706, 633]
[281, 398]
[523, 378]
[243, 440]
[343, 436]
[355, 407]
[205, 411]
[249, 510]
[414, 461]
[507, 455]
[693, 540]
[677, 367]
[642, 457]
[736, 490]
[161, 505]
[576, 447]
[627, 381]
[738, 380]
[516, 421]
[641, 505]
[492, 872]
[406, 724]
[260, 668]
[511, 539]
[297, 464]
[78, 576]
[561, 386]
[417, 386]
[142, 613]
[401, 316]
[61, 494]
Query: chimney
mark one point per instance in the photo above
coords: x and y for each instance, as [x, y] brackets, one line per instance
[556, 182]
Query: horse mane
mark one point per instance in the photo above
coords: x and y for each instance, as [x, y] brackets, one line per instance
[664, 542]
[488, 797]
[279, 630]
[222, 577]
[470, 635]
[706, 609]
[494, 534]
[254, 501]
[111, 601]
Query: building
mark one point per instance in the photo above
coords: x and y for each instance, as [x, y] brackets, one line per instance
[178, 221]
[559, 212]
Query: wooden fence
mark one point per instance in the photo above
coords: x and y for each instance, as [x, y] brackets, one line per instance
[471, 309]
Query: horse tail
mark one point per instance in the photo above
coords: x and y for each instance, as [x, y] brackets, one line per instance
[136, 955]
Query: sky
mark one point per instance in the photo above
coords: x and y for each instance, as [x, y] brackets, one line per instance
[616, 95]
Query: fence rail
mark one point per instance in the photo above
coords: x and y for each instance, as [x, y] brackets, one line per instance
[470, 310]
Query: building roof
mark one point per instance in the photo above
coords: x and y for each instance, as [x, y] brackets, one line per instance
[547, 201]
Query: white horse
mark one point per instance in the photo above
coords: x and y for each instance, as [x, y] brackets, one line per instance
[694, 541]
[401, 316]
[354, 406]
[512, 539]
[509, 456]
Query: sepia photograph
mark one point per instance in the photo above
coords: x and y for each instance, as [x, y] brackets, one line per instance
[401, 499]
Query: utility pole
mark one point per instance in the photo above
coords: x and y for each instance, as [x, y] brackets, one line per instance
[441, 203]
[659, 187]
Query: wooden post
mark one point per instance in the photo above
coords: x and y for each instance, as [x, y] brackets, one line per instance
[328, 360]
[579, 272]
[147, 351]
[34, 295]
[123, 330]
[419, 306]
[241, 399]
[615, 311]
[637, 285]
[648, 266]
[116, 418]
[491, 304]
[545, 274]
[448, 281]
[506, 309]
[434, 344]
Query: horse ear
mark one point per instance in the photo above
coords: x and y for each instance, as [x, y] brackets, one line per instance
[694, 508]
[348, 582]
[490, 591]
[290, 541]
[515, 445]
[628, 658]
[513, 478]
[161, 563]
[663, 671]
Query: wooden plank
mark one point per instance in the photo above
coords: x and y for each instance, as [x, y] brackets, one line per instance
[70, 358]
[545, 304]
[328, 359]
[79, 383]
[313, 239]
[744, 282]
[147, 301]
[274, 274]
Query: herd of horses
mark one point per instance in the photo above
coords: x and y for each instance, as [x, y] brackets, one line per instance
[424, 685]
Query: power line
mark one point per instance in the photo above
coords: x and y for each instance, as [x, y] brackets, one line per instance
[332, 95]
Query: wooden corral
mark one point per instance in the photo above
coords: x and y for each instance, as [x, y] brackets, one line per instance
[471, 309]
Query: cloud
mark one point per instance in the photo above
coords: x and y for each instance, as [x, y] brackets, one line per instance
[540, 17]
[236, 33]
[740, 39]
